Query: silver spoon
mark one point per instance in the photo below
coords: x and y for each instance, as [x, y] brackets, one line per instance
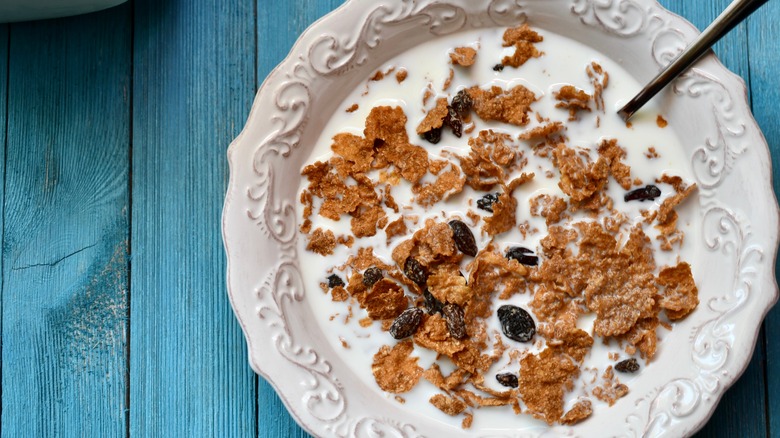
[737, 11]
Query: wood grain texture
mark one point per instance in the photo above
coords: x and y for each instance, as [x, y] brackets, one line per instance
[64, 302]
[742, 410]
[4, 32]
[764, 34]
[194, 81]
[279, 24]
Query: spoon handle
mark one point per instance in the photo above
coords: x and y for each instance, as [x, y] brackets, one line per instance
[735, 13]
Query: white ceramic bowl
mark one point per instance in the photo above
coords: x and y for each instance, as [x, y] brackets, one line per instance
[23, 10]
[728, 155]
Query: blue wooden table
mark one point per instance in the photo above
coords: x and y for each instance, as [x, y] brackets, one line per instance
[115, 320]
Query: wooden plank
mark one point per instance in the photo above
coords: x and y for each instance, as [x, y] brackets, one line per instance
[194, 82]
[64, 303]
[741, 411]
[4, 33]
[278, 27]
[764, 33]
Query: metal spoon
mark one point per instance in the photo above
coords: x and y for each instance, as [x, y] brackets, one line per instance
[737, 11]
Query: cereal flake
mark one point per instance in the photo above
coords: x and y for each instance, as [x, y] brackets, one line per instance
[463, 56]
[394, 369]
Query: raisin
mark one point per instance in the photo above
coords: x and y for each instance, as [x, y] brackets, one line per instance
[508, 380]
[415, 271]
[371, 276]
[498, 67]
[463, 237]
[486, 202]
[523, 255]
[334, 281]
[627, 366]
[433, 136]
[648, 192]
[516, 323]
[454, 122]
[406, 323]
[462, 103]
[432, 305]
[453, 315]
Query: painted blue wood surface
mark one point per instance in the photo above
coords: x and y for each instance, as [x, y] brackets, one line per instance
[66, 227]
[113, 181]
[763, 32]
[193, 85]
[4, 31]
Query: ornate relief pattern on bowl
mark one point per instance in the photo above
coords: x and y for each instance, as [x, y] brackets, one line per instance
[260, 224]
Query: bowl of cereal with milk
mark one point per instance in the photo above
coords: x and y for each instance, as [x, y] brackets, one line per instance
[437, 223]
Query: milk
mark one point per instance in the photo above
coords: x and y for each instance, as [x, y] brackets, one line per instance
[563, 63]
